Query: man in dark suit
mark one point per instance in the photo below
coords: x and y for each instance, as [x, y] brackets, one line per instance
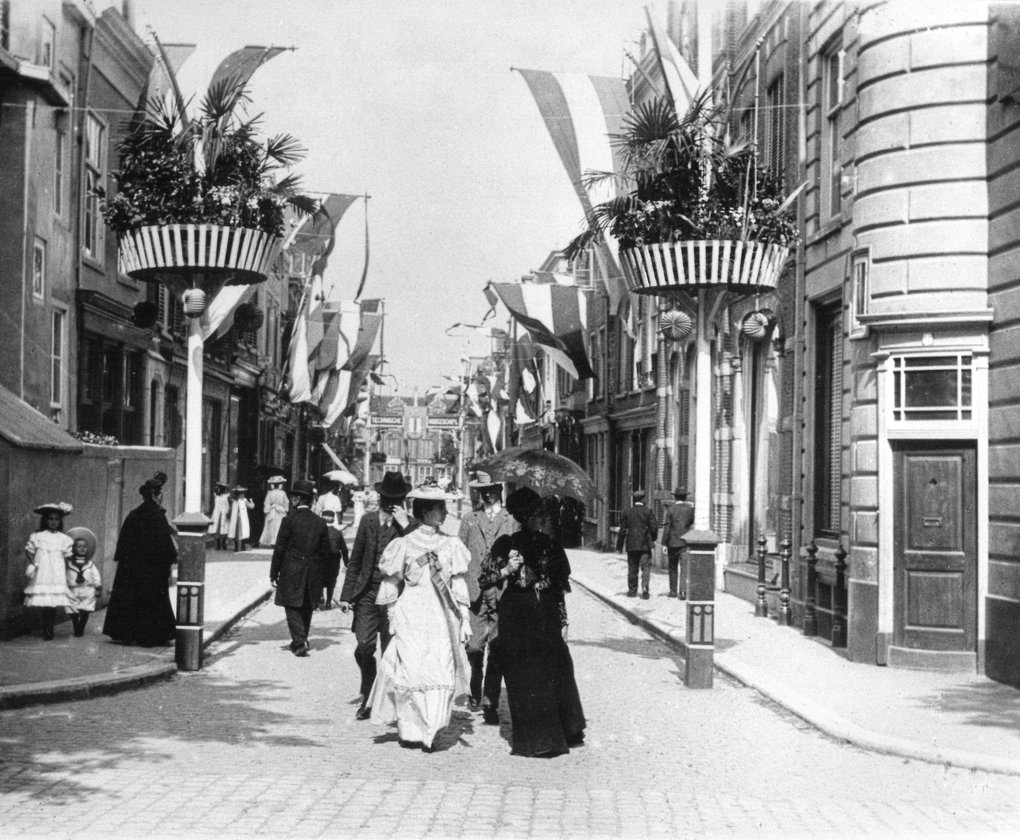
[637, 533]
[677, 521]
[361, 584]
[298, 568]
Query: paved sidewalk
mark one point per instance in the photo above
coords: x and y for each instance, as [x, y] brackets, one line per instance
[34, 671]
[964, 720]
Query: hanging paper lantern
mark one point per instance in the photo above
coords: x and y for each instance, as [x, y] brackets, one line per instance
[194, 302]
[675, 325]
[755, 326]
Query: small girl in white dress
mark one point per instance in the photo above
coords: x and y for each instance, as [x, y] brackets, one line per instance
[47, 550]
[83, 580]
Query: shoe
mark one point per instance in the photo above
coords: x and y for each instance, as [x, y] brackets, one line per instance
[631, 593]
[490, 716]
[302, 649]
[473, 704]
[364, 712]
[428, 748]
[47, 634]
[645, 595]
[682, 596]
[670, 594]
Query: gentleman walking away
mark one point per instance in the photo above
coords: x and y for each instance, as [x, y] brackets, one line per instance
[478, 531]
[637, 533]
[677, 521]
[298, 568]
[361, 583]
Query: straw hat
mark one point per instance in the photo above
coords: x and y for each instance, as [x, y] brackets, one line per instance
[91, 542]
[63, 508]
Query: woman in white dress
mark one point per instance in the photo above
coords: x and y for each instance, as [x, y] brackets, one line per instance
[424, 666]
[220, 525]
[276, 506]
[240, 529]
[47, 551]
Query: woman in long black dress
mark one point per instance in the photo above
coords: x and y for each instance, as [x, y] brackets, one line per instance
[139, 611]
[533, 572]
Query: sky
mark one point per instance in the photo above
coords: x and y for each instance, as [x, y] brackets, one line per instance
[414, 103]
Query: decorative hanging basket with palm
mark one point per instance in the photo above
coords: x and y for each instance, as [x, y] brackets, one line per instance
[693, 210]
[200, 202]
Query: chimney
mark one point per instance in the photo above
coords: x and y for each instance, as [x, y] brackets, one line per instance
[127, 11]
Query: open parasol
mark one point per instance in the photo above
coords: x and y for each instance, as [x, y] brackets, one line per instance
[343, 476]
[544, 472]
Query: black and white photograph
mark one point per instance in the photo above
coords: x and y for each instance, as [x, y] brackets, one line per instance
[553, 419]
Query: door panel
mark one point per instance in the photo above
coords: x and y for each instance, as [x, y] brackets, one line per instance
[935, 550]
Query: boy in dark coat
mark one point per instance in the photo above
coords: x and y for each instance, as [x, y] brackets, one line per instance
[338, 556]
[300, 560]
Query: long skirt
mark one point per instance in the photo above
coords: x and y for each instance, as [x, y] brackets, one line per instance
[545, 707]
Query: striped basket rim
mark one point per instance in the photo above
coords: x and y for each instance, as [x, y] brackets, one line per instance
[176, 248]
[703, 263]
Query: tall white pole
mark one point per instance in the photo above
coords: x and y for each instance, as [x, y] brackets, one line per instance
[193, 419]
[703, 420]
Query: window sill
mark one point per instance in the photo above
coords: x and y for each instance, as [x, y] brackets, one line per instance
[832, 226]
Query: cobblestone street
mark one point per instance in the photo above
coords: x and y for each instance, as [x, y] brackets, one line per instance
[261, 742]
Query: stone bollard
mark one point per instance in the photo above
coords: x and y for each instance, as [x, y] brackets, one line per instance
[191, 533]
[700, 608]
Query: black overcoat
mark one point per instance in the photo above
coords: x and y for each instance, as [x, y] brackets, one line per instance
[638, 529]
[300, 558]
[362, 565]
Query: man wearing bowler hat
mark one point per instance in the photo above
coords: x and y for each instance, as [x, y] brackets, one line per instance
[361, 583]
[298, 568]
[478, 531]
[637, 533]
[677, 521]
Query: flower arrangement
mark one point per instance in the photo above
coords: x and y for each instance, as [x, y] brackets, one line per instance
[683, 180]
[96, 439]
[215, 169]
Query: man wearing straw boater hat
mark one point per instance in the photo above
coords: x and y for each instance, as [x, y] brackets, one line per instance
[361, 583]
[298, 568]
[478, 531]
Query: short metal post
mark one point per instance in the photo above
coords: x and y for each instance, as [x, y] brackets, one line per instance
[700, 575]
[785, 614]
[761, 607]
[811, 601]
[839, 600]
[191, 531]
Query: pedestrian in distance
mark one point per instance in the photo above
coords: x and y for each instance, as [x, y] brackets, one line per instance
[240, 527]
[545, 707]
[638, 529]
[330, 500]
[84, 583]
[220, 516]
[139, 611]
[361, 583]
[479, 529]
[338, 557]
[298, 567]
[275, 507]
[677, 521]
[47, 551]
[423, 668]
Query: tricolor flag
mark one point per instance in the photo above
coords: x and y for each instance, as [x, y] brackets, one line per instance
[241, 64]
[334, 392]
[582, 113]
[556, 317]
[522, 385]
[681, 83]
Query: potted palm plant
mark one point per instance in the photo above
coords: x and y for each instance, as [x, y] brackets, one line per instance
[695, 210]
[201, 202]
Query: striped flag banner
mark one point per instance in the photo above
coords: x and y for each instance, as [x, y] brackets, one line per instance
[556, 317]
[681, 83]
[582, 113]
[242, 63]
[158, 84]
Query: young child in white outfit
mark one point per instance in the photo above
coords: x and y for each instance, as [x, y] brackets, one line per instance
[46, 550]
[84, 583]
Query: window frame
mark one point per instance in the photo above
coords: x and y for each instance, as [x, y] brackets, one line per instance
[828, 420]
[831, 152]
[46, 54]
[59, 172]
[903, 364]
[58, 358]
[859, 293]
[775, 125]
[94, 174]
[39, 269]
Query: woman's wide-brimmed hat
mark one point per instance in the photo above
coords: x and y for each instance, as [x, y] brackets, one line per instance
[482, 480]
[304, 488]
[430, 489]
[393, 486]
[86, 534]
[63, 508]
[276, 479]
[523, 502]
[220, 485]
[239, 489]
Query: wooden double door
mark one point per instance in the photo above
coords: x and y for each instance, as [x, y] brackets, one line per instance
[935, 562]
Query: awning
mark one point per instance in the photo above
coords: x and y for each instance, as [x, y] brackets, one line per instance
[23, 426]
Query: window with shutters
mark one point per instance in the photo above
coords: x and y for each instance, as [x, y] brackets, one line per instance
[775, 126]
[828, 421]
[95, 160]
